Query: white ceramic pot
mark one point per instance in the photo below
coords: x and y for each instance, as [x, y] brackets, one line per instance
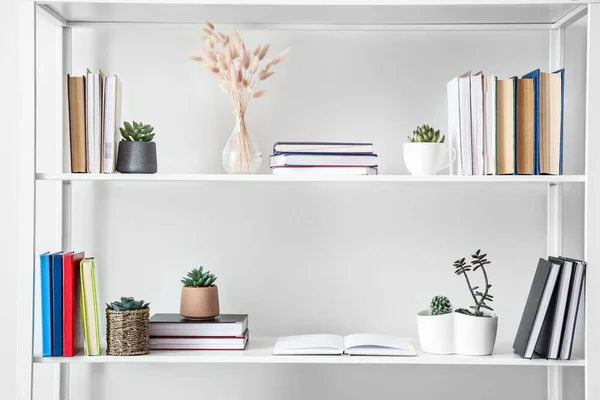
[436, 332]
[427, 158]
[474, 336]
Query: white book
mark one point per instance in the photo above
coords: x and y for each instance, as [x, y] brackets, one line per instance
[490, 100]
[453, 135]
[464, 92]
[324, 171]
[89, 120]
[94, 96]
[323, 160]
[559, 311]
[477, 122]
[112, 120]
[363, 344]
[572, 310]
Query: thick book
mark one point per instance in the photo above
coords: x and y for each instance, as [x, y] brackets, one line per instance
[76, 93]
[535, 78]
[506, 127]
[526, 125]
[453, 135]
[170, 324]
[94, 103]
[477, 123]
[46, 297]
[324, 171]
[199, 342]
[111, 120]
[89, 307]
[72, 325]
[490, 125]
[322, 147]
[57, 303]
[575, 291]
[464, 104]
[323, 159]
[358, 344]
[550, 116]
[536, 307]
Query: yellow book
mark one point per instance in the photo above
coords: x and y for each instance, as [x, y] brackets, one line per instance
[89, 307]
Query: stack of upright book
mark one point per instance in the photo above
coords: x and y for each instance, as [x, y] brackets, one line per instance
[174, 332]
[547, 326]
[327, 158]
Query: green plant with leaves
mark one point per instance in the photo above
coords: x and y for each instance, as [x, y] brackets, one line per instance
[127, 304]
[461, 267]
[137, 132]
[440, 305]
[198, 278]
[426, 134]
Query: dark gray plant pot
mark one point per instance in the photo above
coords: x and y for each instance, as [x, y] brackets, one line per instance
[137, 157]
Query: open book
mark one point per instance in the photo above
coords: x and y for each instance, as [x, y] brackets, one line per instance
[358, 344]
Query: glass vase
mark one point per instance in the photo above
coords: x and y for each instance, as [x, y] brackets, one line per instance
[241, 155]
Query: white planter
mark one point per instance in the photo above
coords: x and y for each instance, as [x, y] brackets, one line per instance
[474, 336]
[426, 158]
[436, 332]
[456, 333]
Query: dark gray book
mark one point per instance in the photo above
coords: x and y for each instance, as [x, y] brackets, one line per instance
[224, 325]
[536, 307]
[576, 289]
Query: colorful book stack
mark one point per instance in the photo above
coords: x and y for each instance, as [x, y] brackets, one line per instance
[548, 323]
[69, 305]
[174, 332]
[328, 158]
[94, 118]
[506, 127]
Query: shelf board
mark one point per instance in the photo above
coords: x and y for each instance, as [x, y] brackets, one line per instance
[293, 12]
[313, 178]
[259, 351]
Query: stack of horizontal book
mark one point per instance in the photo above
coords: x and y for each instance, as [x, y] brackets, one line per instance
[174, 332]
[548, 323]
[506, 126]
[328, 158]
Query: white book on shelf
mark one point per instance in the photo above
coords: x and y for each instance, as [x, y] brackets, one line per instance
[560, 309]
[464, 92]
[477, 125]
[94, 116]
[489, 153]
[363, 344]
[111, 118]
[453, 136]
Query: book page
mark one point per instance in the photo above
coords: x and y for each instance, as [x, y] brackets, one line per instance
[374, 344]
[309, 344]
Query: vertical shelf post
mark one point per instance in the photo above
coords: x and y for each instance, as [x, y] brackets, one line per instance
[592, 200]
[64, 59]
[26, 274]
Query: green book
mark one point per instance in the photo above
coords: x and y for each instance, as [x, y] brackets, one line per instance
[89, 307]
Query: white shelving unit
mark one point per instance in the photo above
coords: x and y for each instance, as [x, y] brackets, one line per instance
[552, 16]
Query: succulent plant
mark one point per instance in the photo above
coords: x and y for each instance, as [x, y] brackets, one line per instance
[137, 132]
[480, 298]
[198, 278]
[127, 304]
[440, 305]
[426, 134]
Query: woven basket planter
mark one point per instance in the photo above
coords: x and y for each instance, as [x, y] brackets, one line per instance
[127, 332]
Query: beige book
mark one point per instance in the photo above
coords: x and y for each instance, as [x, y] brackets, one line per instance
[555, 118]
[505, 145]
[76, 93]
[545, 123]
[525, 131]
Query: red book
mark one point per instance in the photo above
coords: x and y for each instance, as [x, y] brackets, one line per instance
[72, 328]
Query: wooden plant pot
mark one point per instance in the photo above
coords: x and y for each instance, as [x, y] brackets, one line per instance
[199, 303]
[127, 332]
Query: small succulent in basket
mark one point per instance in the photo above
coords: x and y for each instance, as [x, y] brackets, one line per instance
[440, 305]
[199, 295]
[127, 304]
[127, 327]
[479, 261]
[137, 132]
[137, 151]
[426, 134]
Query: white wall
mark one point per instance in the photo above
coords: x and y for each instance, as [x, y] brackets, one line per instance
[301, 257]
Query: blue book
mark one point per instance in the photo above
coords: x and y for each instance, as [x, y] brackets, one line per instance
[46, 289]
[535, 76]
[562, 114]
[57, 305]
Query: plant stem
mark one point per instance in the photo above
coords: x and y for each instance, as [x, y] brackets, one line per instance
[470, 288]
[485, 292]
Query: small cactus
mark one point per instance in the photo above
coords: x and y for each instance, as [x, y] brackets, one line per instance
[127, 304]
[137, 132]
[198, 277]
[440, 305]
[426, 134]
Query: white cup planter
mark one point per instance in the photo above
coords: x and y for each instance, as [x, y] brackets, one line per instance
[427, 158]
[456, 333]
